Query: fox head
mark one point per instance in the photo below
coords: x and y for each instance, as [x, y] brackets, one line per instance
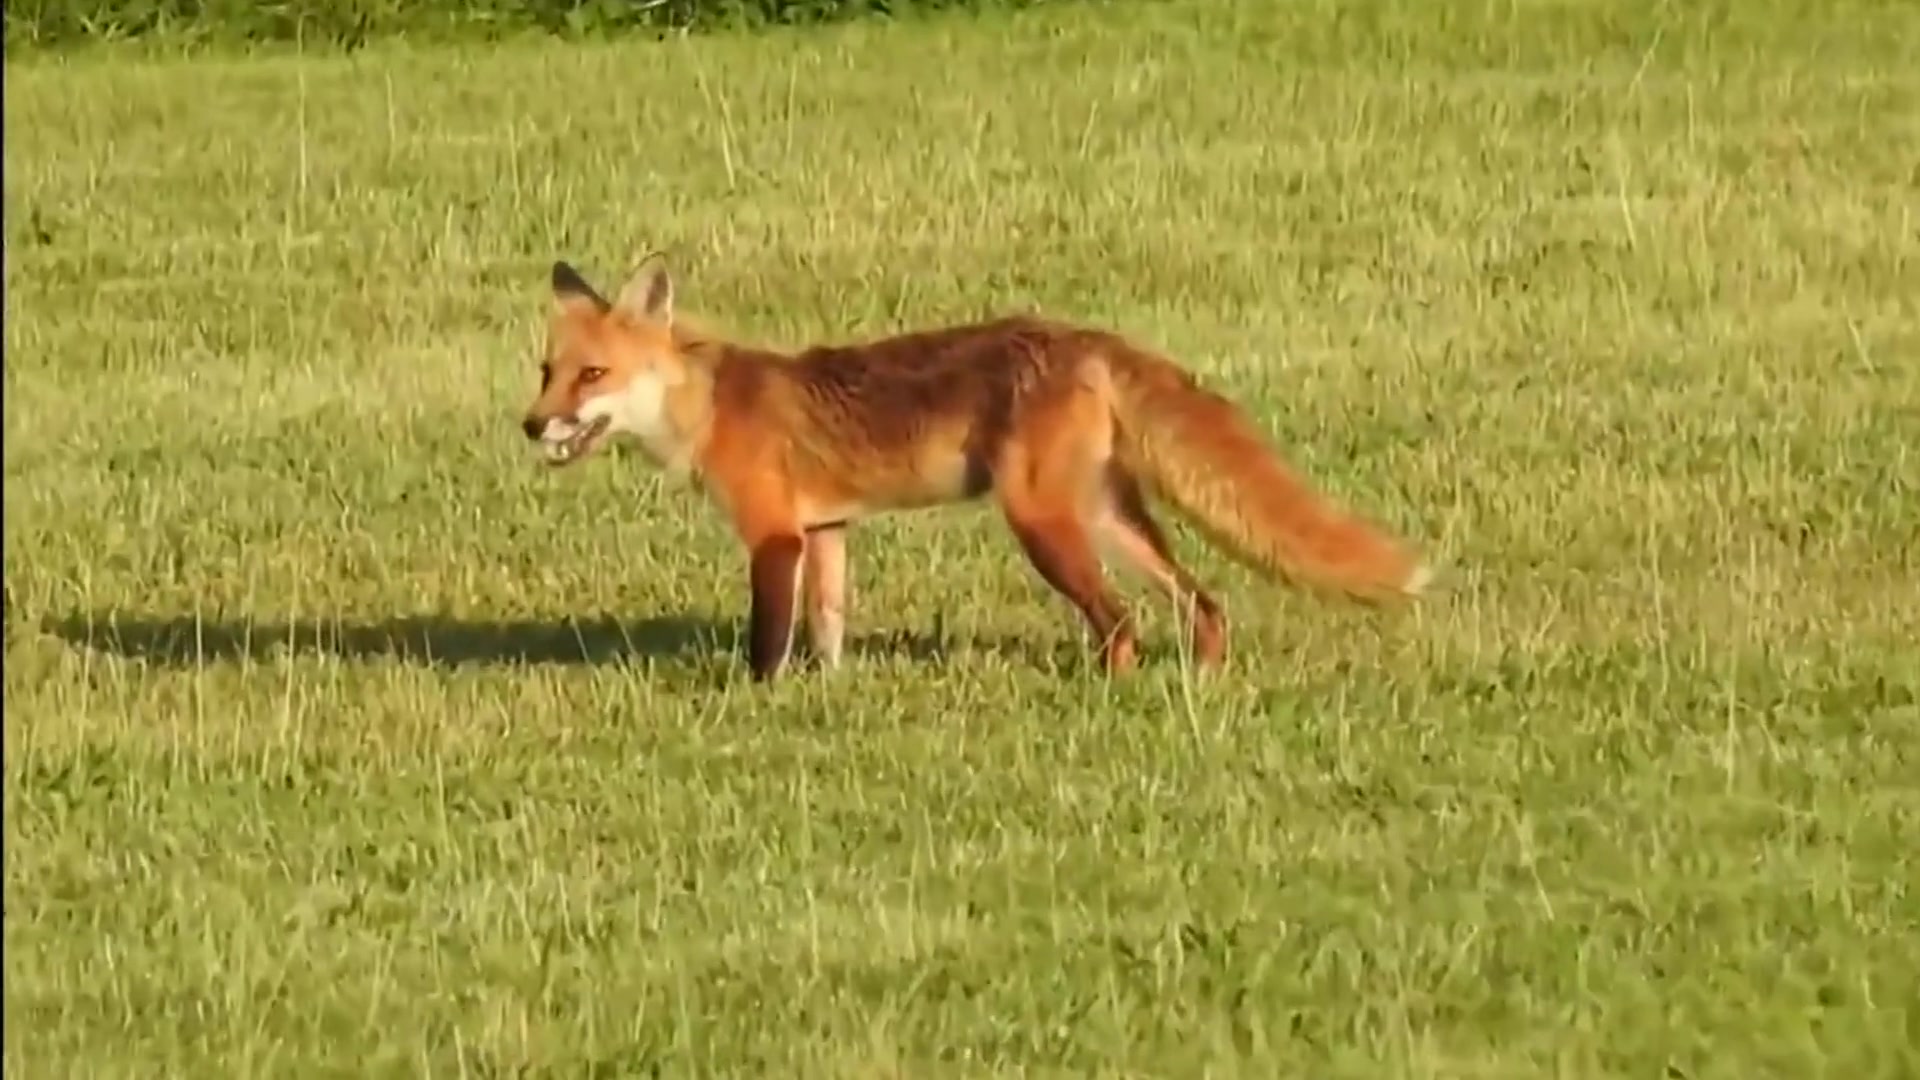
[607, 367]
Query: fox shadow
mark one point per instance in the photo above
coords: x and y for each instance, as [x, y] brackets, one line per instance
[187, 641]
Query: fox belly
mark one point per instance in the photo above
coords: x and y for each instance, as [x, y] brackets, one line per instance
[932, 476]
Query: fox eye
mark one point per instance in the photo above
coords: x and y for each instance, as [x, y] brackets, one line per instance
[591, 374]
[546, 375]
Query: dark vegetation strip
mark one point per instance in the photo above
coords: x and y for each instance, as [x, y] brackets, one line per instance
[37, 25]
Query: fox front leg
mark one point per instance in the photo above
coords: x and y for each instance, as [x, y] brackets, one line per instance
[826, 592]
[775, 576]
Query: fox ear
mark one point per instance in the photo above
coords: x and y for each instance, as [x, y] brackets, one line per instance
[571, 290]
[648, 294]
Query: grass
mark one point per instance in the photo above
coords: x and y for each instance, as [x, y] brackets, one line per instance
[342, 739]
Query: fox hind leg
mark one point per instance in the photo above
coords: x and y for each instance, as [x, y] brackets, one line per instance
[1050, 479]
[1061, 549]
[1129, 530]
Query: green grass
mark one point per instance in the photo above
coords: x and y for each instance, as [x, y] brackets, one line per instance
[343, 739]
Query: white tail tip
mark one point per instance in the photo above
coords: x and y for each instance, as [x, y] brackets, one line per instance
[1418, 581]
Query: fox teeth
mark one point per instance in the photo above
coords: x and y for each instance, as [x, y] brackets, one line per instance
[563, 451]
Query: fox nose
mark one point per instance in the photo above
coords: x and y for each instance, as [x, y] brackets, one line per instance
[534, 426]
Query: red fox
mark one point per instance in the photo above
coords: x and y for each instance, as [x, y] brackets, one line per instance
[1066, 427]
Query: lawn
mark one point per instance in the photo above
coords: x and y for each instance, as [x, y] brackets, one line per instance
[344, 739]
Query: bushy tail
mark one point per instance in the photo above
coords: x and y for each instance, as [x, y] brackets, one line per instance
[1203, 455]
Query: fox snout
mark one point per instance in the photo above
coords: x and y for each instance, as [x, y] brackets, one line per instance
[534, 426]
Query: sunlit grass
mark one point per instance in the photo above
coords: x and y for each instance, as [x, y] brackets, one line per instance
[341, 737]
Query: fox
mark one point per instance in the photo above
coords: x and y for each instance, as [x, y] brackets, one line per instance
[1067, 428]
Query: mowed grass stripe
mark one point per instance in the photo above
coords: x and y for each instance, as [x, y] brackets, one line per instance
[341, 737]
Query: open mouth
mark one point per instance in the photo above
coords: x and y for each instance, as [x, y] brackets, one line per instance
[575, 446]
